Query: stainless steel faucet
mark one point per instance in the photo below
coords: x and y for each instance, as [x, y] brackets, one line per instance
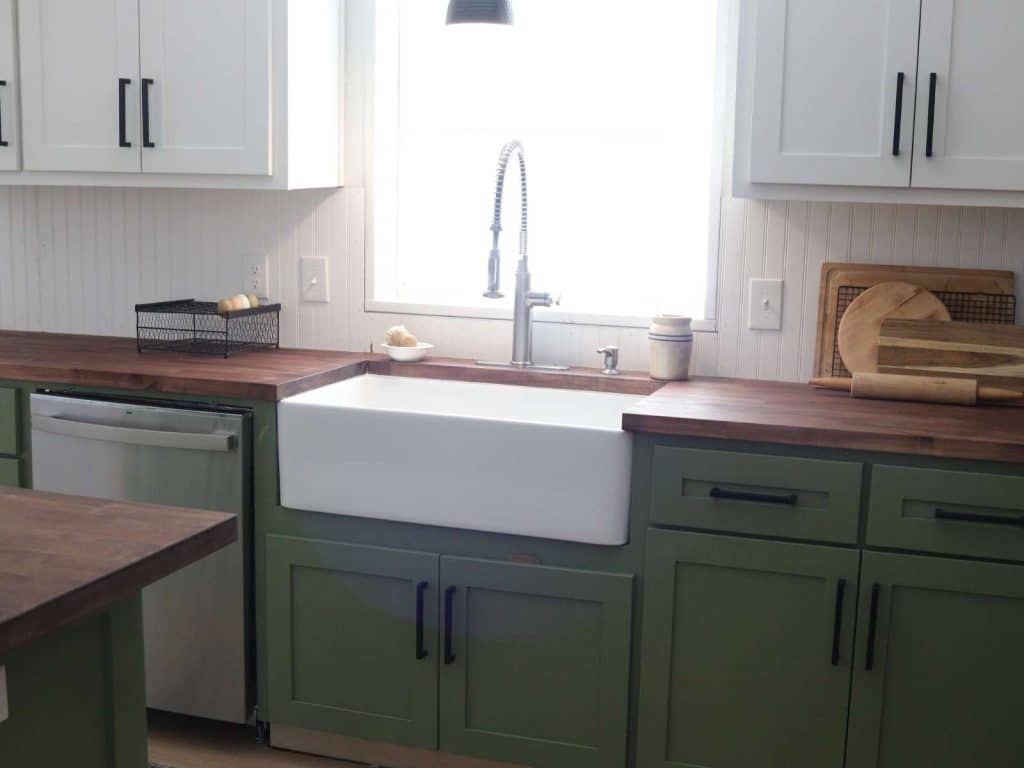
[525, 299]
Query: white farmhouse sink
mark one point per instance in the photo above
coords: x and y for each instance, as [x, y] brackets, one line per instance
[550, 463]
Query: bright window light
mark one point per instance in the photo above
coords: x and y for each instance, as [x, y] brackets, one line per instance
[615, 105]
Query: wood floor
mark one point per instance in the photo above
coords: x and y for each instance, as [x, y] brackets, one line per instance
[182, 742]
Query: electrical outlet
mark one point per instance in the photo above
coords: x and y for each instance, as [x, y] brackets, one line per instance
[765, 305]
[314, 280]
[256, 279]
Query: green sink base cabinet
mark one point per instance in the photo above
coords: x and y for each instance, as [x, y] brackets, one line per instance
[77, 697]
[503, 661]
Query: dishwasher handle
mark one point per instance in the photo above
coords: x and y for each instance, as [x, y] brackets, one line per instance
[188, 441]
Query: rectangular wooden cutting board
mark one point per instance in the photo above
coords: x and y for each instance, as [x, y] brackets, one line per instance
[975, 293]
[992, 354]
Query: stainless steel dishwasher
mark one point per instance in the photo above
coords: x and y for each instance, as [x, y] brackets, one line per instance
[197, 622]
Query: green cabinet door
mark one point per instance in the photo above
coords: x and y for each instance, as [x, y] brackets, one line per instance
[943, 685]
[9, 474]
[747, 650]
[8, 421]
[345, 654]
[535, 667]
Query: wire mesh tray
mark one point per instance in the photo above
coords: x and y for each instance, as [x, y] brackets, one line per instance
[194, 326]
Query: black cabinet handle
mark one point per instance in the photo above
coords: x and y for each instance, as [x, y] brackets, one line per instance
[869, 657]
[761, 498]
[837, 625]
[933, 82]
[122, 117]
[421, 652]
[898, 122]
[971, 517]
[146, 83]
[449, 607]
[3, 141]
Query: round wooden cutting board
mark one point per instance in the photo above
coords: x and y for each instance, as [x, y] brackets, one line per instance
[862, 322]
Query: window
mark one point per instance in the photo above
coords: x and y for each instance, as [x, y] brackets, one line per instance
[617, 107]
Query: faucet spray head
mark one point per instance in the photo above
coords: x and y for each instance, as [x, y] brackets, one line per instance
[494, 275]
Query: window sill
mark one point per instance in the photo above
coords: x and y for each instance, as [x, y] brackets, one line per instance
[505, 313]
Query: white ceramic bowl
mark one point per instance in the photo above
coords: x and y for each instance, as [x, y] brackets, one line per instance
[408, 354]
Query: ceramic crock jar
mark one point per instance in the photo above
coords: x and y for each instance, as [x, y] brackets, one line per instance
[671, 340]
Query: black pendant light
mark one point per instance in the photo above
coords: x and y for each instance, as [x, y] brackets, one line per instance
[479, 12]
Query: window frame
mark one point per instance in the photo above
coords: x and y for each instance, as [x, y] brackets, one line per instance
[360, 80]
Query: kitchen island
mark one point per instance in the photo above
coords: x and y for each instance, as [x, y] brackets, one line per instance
[71, 574]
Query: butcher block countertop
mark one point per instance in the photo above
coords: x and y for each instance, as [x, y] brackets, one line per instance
[732, 409]
[797, 414]
[63, 558]
[108, 361]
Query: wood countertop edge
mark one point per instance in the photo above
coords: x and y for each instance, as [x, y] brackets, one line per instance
[822, 437]
[97, 595]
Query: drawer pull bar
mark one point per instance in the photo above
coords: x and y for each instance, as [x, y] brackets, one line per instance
[421, 652]
[898, 120]
[869, 657]
[933, 81]
[969, 517]
[449, 599]
[837, 626]
[761, 498]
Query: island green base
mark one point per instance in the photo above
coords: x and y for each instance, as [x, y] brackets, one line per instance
[78, 696]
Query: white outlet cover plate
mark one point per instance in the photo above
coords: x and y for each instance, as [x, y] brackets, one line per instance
[257, 277]
[765, 304]
[314, 280]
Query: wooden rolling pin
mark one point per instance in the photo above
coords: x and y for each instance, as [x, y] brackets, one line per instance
[892, 386]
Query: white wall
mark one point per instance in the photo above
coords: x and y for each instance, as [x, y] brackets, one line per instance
[77, 260]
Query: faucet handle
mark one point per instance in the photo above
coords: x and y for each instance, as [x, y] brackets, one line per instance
[611, 360]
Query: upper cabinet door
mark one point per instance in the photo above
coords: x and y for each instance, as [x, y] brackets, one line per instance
[80, 78]
[969, 123]
[828, 103]
[206, 79]
[9, 157]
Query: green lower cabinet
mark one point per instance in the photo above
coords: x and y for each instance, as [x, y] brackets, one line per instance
[8, 421]
[943, 685]
[747, 653]
[343, 640]
[538, 669]
[9, 472]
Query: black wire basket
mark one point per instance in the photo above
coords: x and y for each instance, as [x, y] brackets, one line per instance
[188, 325]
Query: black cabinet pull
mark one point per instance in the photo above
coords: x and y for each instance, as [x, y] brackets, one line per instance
[971, 517]
[122, 117]
[421, 652]
[869, 657]
[898, 123]
[837, 625]
[761, 498]
[933, 82]
[146, 83]
[3, 141]
[449, 600]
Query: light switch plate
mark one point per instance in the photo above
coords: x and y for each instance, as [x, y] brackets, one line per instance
[4, 709]
[314, 280]
[765, 305]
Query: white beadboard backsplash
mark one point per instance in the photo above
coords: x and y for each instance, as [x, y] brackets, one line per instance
[77, 260]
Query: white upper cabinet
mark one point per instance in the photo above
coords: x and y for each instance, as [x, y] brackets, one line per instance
[79, 78]
[206, 80]
[10, 158]
[237, 94]
[970, 125]
[834, 92]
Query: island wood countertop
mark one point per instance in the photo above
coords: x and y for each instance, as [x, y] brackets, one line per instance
[798, 414]
[115, 362]
[63, 558]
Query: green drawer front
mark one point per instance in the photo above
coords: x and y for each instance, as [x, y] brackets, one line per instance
[751, 493]
[9, 474]
[9, 421]
[955, 513]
